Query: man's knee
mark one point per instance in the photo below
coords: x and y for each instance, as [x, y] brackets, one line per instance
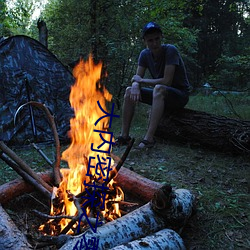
[159, 91]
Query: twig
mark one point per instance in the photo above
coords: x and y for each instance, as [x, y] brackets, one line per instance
[52, 217]
[114, 172]
[42, 154]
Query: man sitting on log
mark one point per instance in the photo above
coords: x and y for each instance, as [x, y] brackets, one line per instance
[168, 89]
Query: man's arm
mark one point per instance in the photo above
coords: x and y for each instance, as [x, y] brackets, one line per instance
[166, 80]
[135, 94]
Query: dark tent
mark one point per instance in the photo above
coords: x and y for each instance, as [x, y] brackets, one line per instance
[29, 71]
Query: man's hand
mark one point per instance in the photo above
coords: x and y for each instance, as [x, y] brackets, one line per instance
[135, 93]
[136, 78]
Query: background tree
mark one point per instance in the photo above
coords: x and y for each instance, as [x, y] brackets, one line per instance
[223, 32]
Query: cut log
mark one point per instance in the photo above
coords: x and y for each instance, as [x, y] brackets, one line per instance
[15, 188]
[212, 131]
[10, 237]
[150, 218]
[131, 182]
[163, 239]
[137, 185]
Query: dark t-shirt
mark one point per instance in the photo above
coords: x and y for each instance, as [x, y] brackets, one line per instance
[171, 56]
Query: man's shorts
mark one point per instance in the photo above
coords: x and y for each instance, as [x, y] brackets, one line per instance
[174, 100]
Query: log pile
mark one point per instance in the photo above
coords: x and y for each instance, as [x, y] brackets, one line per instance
[164, 215]
[212, 131]
[167, 209]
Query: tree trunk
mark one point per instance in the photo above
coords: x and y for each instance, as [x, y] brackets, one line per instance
[212, 131]
[43, 32]
[10, 237]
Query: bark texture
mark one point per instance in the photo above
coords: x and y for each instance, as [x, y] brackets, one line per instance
[167, 209]
[212, 131]
[15, 188]
[162, 240]
[10, 237]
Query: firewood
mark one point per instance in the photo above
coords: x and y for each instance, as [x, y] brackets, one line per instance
[163, 239]
[17, 187]
[208, 130]
[143, 221]
[13, 156]
[136, 185]
[26, 176]
[131, 182]
[10, 236]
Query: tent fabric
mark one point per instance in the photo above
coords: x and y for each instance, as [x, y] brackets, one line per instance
[30, 72]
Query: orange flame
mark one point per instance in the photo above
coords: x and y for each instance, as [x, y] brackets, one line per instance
[83, 98]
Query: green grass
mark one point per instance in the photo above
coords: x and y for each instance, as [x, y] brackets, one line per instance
[220, 181]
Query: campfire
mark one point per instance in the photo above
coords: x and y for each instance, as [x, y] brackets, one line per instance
[88, 180]
[87, 198]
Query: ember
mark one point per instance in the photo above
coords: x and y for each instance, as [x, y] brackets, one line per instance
[87, 192]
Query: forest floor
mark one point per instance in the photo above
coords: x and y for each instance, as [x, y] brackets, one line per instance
[219, 180]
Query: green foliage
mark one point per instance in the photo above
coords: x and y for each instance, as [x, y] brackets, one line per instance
[212, 36]
[233, 72]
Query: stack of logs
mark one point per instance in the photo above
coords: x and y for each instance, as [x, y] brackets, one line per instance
[155, 224]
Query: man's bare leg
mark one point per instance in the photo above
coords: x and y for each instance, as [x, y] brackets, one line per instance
[128, 110]
[156, 113]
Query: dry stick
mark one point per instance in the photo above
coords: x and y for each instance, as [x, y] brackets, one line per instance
[25, 176]
[42, 154]
[57, 174]
[24, 166]
[51, 217]
[114, 172]
[120, 163]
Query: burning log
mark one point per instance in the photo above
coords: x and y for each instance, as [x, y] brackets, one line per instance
[216, 132]
[10, 236]
[167, 209]
[163, 239]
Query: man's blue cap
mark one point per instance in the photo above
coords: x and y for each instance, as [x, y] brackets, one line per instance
[150, 26]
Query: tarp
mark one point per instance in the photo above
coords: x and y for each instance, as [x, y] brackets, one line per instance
[29, 71]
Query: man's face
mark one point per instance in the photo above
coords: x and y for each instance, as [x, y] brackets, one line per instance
[153, 40]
